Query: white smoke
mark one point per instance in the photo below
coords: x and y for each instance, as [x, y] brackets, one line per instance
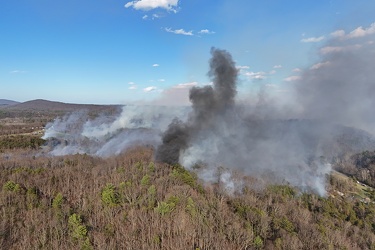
[258, 138]
[104, 136]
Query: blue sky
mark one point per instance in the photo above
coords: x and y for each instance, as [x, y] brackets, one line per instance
[118, 52]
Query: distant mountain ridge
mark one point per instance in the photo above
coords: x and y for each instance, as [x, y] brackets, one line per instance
[5, 102]
[45, 105]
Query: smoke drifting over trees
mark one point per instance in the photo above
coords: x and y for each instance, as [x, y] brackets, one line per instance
[341, 88]
[218, 134]
[210, 104]
[259, 140]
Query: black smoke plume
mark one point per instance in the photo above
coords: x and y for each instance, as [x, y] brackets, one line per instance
[209, 103]
[259, 139]
[270, 139]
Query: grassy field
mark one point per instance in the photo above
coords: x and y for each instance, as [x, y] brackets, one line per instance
[358, 190]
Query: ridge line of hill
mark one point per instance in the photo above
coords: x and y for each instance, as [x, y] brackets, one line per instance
[46, 105]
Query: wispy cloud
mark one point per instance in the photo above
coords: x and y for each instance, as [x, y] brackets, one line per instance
[161, 80]
[292, 78]
[180, 32]
[17, 71]
[312, 39]
[190, 32]
[132, 85]
[333, 49]
[155, 65]
[321, 64]
[187, 85]
[149, 89]
[243, 67]
[259, 75]
[206, 31]
[153, 17]
[256, 75]
[146, 5]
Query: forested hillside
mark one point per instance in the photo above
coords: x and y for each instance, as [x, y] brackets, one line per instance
[130, 202]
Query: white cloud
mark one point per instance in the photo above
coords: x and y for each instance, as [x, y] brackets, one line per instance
[180, 32]
[206, 31]
[321, 64]
[131, 83]
[153, 17]
[185, 85]
[155, 65]
[256, 75]
[260, 75]
[358, 32]
[188, 33]
[149, 89]
[161, 80]
[296, 70]
[312, 39]
[243, 67]
[169, 5]
[338, 33]
[132, 87]
[292, 78]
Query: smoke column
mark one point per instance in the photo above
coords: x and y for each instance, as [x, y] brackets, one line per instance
[258, 138]
[217, 135]
[208, 103]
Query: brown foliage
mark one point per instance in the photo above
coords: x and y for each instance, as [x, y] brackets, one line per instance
[129, 202]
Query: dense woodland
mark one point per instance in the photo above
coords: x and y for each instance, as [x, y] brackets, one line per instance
[131, 202]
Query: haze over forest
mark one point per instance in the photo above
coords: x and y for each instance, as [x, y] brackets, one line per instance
[133, 126]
